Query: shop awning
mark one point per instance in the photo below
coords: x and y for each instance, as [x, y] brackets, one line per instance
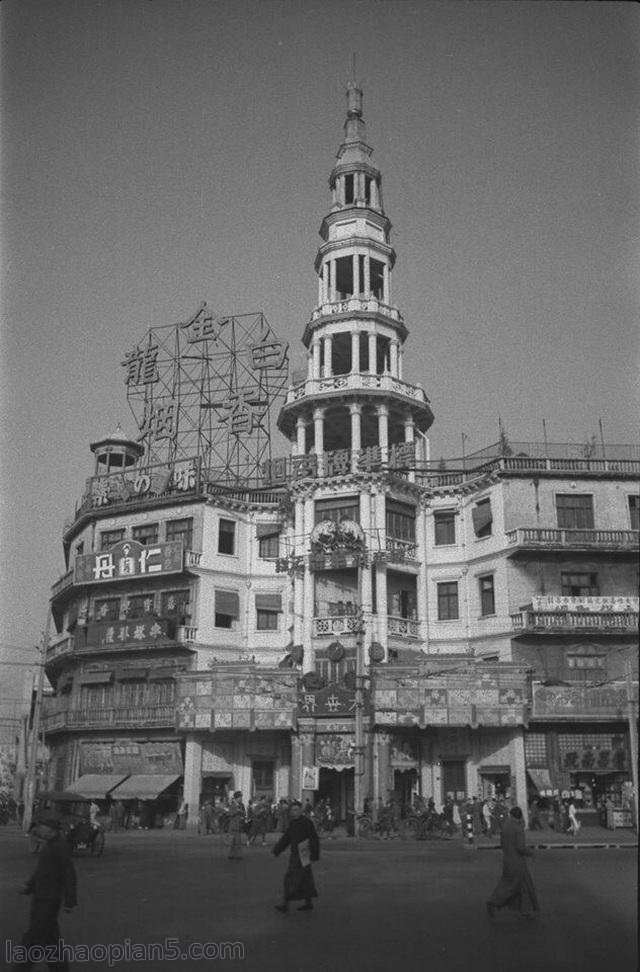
[540, 779]
[228, 602]
[132, 674]
[95, 785]
[160, 674]
[268, 530]
[268, 602]
[143, 787]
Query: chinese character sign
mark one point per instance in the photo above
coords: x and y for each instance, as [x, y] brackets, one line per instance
[129, 559]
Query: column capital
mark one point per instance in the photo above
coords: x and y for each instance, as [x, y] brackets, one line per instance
[382, 408]
[355, 408]
[319, 412]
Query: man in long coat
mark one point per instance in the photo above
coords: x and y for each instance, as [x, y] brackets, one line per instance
[237, 815]
[302, 840]
[52, 884]
[515, 888]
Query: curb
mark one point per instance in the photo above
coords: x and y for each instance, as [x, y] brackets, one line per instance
[598, 846]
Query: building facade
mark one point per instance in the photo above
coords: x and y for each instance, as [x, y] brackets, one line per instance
[361, 623]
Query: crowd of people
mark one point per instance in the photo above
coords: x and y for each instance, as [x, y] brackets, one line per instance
[261, 816]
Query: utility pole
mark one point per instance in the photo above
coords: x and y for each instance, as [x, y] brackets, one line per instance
[633, 742]
[359, 760]
[30, 780]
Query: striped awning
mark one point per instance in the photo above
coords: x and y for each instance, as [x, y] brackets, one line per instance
[143, 787]
[268, 602]
[95, 786]
[228, 602]
[540, 778]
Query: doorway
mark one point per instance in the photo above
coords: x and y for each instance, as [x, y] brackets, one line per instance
[338, 786]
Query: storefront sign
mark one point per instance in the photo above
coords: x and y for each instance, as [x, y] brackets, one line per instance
[335, 751]
[130, 756]
[556, 602]
[117, 634]
[157, 480]
[580, 701]
[225, 700]
[129, 559]
[310, 777]
[290, 468]
[327, 702]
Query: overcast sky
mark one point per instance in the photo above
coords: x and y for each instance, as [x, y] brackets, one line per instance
[159, 153]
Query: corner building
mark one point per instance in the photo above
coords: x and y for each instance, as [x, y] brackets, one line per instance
[362, 624]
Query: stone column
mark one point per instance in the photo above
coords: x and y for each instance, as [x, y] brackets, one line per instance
[308, 611]
[386, 284]
[327, 370]
[519, 772]
[316, 350]
[355, 352]
[332, 279]
[318, 435]
[356, 275]
[393, 358]
[372, 352]
[299, 579]
[356, 440]
[421, 556]
[301, 435]
[295, 778]
[192, 778]
[382, 412]
[307, 758]
[381, 571]
[367, 276]
[385, 781]
[409, 436]
[365, 572]
[400, 362]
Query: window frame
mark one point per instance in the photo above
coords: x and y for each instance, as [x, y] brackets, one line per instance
[488, 592]
[440, 519]
[108, 544]
[138, 533]
[227, 533]
[563, 511]
[185, 535]
[633, 506]
[590, 589]
[447, 598]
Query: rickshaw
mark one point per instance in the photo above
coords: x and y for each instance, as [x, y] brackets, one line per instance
[72, 809]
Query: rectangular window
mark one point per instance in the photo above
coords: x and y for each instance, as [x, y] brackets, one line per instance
[535, 749]
[132, 693]
[227, 608]
[146, 533]
[139, 604]
[107, 609]
[268, 535]
[579, 584]
[586, 667]
[487, 595]
[401, 521]
[347, 508]
[574, 511]
[268, 607]
[376, 278]
[348, 189]
[226, 537]
[344, 277]
[110, 537]
[80, 548]
[180, 530]
[96, 696]
[445, 528]
[175, 604]
[448, 601]
[634, 512]
[482, 518]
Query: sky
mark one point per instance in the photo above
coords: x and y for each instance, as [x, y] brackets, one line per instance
[161, 153]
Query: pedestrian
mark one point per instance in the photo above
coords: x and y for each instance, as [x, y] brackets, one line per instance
[535, 822]
[283, 815]
[515, 888]
[486, 818]
[304, 847]
[236, 814]
[476, 815]
[52, 884]
[574, 823]
[261, 814]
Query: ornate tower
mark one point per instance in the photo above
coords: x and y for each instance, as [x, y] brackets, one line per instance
[356, 426]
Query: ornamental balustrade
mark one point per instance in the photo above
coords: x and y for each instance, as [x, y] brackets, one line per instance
[356, 382]
[336, 624]
[549, 536]
[354, 305]
[404, 627]
[147, 715]
[62, 647]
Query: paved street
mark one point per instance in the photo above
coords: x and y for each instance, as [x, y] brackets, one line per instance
[410, 906]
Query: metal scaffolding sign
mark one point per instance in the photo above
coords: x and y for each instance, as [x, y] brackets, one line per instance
[209, 388]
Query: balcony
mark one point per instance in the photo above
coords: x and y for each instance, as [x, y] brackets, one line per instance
[402, 627]
[147, 631]
[192, 559]
[64, 646]
[578, 622]
[608, 541]
[122, 717]
[62, 585]
[358, 383]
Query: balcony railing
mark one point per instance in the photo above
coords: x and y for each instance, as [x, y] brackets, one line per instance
[62, 584]
[356, 382]
[336, 624]
[136, 715]
[542, 537]
[192, 558]
[59, 648]
[552, 622]
[354, 305]
[403, 627]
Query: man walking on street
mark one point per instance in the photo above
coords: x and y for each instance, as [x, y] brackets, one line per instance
[52, 884]
[302, 840]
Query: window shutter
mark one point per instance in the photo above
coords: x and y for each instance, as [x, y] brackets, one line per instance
[268, 602]
[481, 516]
[228, 602]
[268, 530]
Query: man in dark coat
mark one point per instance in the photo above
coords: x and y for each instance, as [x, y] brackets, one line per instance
[302, 840]
[515, 888]
[52, 884]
